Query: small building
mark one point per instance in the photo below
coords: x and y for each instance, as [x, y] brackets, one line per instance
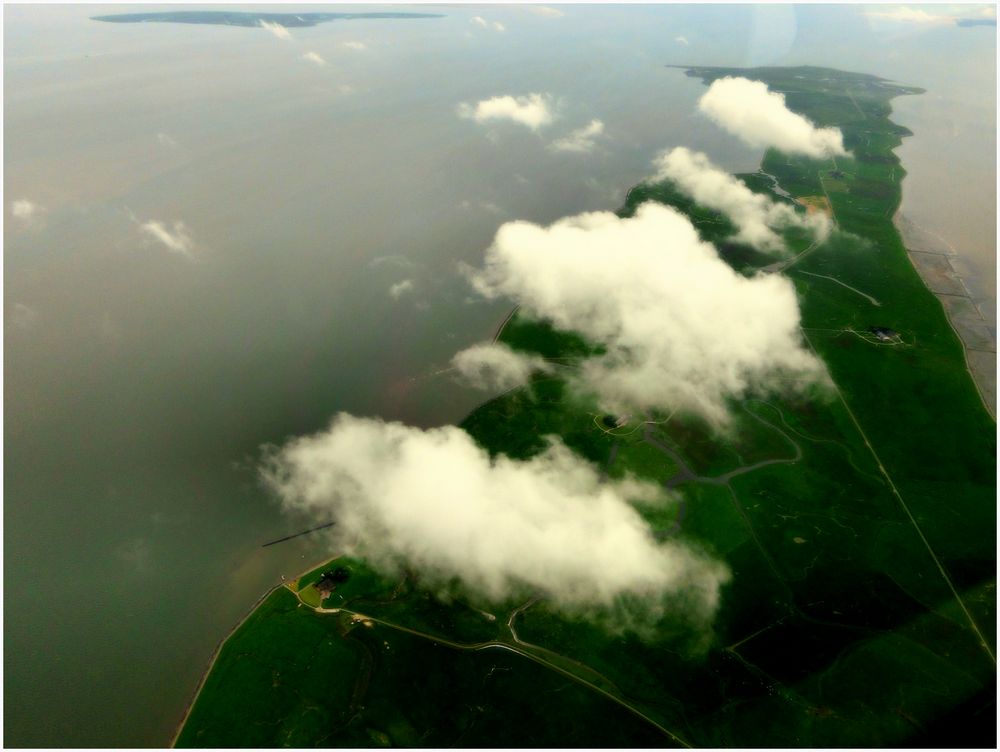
[836, 174]
[885, 334]
[325, 586]
[329, 581]
[612, 421]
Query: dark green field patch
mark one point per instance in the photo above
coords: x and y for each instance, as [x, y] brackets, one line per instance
[274, 659]
[320, 680]
[527, 335]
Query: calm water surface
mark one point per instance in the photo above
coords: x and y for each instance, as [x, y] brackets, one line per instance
[140, 383]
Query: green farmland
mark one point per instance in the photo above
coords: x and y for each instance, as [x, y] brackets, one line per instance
[858, 523]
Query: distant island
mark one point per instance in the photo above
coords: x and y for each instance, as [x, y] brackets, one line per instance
[235, 18]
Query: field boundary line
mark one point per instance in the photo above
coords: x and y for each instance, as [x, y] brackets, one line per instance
[913, 520]
[215, 657]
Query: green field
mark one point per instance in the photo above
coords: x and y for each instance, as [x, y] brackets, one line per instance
[859, 527]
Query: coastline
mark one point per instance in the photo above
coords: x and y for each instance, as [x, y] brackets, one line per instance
[504, 323]
[949, 272]
[932, 258]
[215, 657]
[222, 643]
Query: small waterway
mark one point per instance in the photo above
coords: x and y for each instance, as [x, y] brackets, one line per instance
[775, 185]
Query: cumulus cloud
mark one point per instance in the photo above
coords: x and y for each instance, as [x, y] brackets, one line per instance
[277, 29]
[545, 10]
[486, 206]
[681, 329]
[759, 117]
[755, 215]
[682, 40]
[399, 289]
[495, 367]
[177, 241]
[580, 141]
[434, 502]
[483, 23]
[910, 15]
[22, 316]
[533, 111]
[360, 46]
[314, 57]
[25, 211]
[393, 259]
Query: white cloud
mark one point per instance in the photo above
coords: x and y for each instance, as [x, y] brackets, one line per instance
[483, 23]
[277, 29]
[360, 46]
[681, 329]
[682, 40]
[136, 553]
[755, 215]
[399, 289]
[345, 89]
[166, 140]
[25, 211]
[909, 15]
[487, 206]
[748, 110]
[582, 140]
[23, 317]
[495, 367]
[533, 111]
[177, 241]
[435, 502]
[545, 10]
[393, 259]
[314, 57]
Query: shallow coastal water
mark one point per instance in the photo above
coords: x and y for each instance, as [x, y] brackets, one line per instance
[948, 214]
[948, 211]
[140, 383]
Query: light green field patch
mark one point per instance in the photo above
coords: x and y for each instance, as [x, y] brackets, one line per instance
[310, 596]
